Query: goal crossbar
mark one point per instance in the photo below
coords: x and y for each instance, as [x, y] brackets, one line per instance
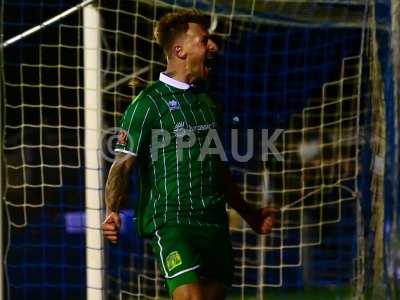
[45, 24]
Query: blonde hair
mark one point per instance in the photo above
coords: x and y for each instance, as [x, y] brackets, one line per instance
[173, 24]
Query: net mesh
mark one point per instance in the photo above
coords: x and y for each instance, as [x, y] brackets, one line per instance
[298, 66]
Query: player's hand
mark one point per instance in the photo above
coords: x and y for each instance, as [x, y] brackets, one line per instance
[263, 220]
[111, 226]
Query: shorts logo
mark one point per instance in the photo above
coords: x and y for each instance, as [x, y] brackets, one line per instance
[122, 137]
[174, 105]
[173, 260]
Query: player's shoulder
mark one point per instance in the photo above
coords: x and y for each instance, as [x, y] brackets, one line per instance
[151, 93]
[148, 93]
[143, 102]
[155, 90]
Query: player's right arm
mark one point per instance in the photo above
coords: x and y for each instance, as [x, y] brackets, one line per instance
[116, 192]
[134, 137]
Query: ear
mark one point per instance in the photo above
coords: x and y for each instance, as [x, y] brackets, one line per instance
[179, 52]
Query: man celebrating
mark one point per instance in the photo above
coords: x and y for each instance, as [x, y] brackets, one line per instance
[183, 194]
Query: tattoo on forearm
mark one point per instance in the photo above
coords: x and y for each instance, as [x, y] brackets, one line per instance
[117, 187]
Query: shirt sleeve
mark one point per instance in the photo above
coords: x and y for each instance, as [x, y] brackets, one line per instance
[135, 127]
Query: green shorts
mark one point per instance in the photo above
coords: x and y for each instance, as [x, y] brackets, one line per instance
[188, 254]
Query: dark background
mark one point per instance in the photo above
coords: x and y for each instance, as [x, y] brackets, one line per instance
[266, 74]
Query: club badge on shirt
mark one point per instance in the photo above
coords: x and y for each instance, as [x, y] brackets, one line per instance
[174, 105]
[122, 137]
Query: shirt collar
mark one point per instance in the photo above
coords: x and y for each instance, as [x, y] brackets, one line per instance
[173, 82]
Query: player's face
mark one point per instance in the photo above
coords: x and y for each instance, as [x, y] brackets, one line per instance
[200, 49]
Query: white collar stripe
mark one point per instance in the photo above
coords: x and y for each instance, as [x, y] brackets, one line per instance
[173, 82]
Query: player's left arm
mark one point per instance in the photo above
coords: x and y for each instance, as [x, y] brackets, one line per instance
[261, 220]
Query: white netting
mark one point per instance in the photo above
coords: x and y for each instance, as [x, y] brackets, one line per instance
[43, 117]
[318, 177]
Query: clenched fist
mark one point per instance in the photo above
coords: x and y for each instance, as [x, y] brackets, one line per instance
[111, 226]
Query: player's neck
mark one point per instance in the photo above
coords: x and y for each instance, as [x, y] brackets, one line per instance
[178, 72]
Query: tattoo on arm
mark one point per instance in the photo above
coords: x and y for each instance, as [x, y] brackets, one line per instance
[118, 182]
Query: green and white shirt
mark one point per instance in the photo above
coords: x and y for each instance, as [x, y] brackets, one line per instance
[176, 187]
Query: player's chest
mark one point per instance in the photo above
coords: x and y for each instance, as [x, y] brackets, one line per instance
[178, 115]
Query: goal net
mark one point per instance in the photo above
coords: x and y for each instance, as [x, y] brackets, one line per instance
[310, 71]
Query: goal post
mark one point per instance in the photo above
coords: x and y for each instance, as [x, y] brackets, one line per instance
[93, 156]
[2, 165]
